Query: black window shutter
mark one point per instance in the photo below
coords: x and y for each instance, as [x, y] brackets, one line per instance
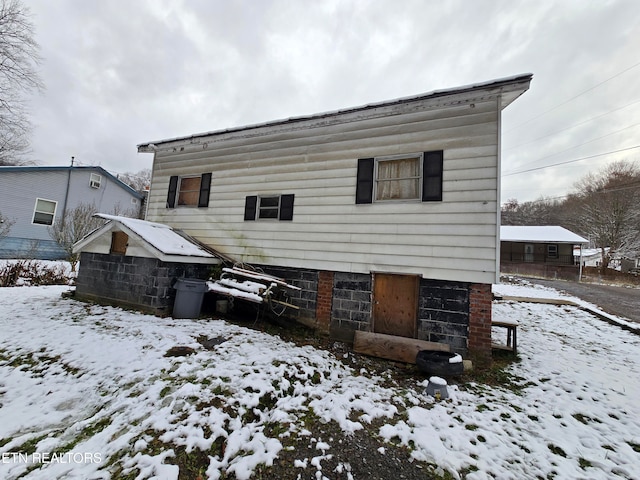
[250, 204]
[171, 195]
[205, 186]
[286, 207]
[432, 166]
[364, 187]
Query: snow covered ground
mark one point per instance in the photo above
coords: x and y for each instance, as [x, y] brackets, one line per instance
[87, 392]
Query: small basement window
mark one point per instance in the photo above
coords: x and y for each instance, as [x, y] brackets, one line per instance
[44, 211]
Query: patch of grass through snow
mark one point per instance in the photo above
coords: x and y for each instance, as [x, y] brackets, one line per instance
[36, 362]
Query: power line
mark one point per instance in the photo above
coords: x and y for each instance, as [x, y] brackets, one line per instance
[569, 161]
[572, 126]
[625, 186]
[574, 97]
[585, 143]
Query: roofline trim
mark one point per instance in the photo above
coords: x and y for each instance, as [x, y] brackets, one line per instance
[492, 84]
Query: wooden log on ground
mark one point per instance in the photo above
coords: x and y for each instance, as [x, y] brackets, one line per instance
[399, 349]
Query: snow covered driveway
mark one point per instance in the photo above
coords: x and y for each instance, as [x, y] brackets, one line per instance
[86, 392]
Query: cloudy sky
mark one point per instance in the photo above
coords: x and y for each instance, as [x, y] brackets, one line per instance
[120, 72]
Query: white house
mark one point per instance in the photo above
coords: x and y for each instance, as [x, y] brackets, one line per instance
[387, 215]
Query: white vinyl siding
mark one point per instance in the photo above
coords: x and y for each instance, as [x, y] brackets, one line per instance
[453, 239]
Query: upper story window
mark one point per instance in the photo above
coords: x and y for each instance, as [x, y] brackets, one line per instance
[189, 191]
[95, 181]
[398, 179]
[275, 207]
[44, 211]
[413, 177]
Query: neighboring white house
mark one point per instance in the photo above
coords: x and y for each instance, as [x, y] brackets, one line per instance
[386, 215]
[36, 197]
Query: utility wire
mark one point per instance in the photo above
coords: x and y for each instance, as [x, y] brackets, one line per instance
[627, 186]
[569, 161]
[573, 126]
[574, 97]
[585, 143]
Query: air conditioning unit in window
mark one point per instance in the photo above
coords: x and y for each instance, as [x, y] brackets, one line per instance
[94, 183]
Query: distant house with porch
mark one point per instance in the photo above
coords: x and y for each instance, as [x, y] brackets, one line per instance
[540, 251]
[36, 197]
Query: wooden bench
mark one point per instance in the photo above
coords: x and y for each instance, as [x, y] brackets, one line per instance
[512, 335]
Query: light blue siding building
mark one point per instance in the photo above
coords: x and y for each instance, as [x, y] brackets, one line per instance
[36, 197]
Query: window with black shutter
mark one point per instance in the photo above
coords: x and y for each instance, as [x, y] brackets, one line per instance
[269, 207]
[411, 177]
[189, 191]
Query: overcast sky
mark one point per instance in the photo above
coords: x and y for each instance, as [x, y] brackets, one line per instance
[123, 72]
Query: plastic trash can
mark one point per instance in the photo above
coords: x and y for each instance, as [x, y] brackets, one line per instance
[189, 295]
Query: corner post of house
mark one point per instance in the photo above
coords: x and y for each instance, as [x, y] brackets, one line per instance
[480, 298]
[323, 300]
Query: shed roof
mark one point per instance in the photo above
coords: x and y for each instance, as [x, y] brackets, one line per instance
[161, 240]
[508, 89]
[540, 234]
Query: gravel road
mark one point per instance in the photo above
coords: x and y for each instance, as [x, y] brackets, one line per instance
[620, 301]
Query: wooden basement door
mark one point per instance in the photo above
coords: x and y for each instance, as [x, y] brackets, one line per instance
[395, 304]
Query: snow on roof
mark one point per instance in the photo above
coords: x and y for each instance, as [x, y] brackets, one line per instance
[161, 237]
[539, 234]
[160, 240]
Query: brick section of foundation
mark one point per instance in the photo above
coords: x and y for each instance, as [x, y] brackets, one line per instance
[305, 298]
[323, 301]
[480, 319]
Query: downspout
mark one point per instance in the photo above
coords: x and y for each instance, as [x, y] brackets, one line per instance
[66, 194]
[498, 188]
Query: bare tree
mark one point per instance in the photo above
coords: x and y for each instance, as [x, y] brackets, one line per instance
[75, 225]
[19, 56]
[139, 181]
[611, 209]
[544, 211]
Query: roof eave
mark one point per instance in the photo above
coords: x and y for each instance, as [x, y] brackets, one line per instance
[509, 89]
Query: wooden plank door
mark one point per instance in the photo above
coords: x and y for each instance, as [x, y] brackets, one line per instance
[395, 304]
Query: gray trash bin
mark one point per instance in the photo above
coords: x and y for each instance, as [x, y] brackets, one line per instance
[189, 295]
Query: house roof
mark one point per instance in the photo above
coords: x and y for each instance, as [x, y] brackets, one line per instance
[161, 240]
[509, 88]
[539, 234]
[45, 168]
